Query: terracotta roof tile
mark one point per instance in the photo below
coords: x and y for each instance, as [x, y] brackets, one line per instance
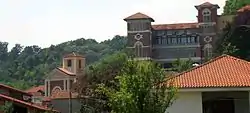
[175, 26]
[66, 71]
[36, 89]
[63, 95]
[25, 103]
[14, 89]
[245, 8]
[139, 16]
[223, 71]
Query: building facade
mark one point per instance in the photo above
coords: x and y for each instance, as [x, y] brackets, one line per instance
[62, 78]
[165, 43]
[59, 84]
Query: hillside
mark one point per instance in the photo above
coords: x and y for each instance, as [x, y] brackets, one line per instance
[23, 67]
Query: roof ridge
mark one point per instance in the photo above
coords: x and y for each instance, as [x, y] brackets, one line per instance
[177, 23]
[15, 89]
[60, 69]
[208, 62]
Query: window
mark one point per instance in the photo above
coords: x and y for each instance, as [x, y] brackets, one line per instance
[169, 40]
[174, 40]
[183, 40]
[80, 63]
[69, 63]
[192, 39]
[206, 15]
[164, 40]
[138, 49]
[208, 50]
[138, 26]
[179, 40]
[188, 40]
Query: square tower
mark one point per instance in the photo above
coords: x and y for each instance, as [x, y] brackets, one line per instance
[139, 35]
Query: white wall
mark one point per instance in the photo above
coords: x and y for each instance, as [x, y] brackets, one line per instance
[187, 102]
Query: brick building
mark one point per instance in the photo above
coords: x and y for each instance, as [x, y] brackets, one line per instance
[165, 43]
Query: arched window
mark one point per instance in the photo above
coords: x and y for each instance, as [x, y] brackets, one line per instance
[206, 13]
[138, 49]
[208, 50]
[56, 89]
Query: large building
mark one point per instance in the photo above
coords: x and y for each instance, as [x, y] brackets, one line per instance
[165, 43]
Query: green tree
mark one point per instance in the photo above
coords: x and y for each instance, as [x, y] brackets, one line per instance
[140, 89]
[232, 6]
[25, 66]
[235, 37]
[104, 72]
[182, 65]
[7, 107]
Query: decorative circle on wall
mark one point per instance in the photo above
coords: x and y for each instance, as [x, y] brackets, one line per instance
[138, 36]
[208, 39]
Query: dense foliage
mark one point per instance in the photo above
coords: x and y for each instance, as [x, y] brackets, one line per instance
[102, 72]
[232, 6]
[235, 38]
[139, 89]
[7, 107]
[32, 63]
[107, 70]
[182, 65]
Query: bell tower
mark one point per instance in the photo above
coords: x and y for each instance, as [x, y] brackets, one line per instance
[74, 63]
[207, 19]
[139, 35]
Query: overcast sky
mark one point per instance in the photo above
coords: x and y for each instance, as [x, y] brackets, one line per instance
[46, 22]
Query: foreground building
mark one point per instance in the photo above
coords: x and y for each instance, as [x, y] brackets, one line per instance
[165, 43]
[21, 101]
[221, 85]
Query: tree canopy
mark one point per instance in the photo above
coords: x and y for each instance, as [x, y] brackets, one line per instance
[232, 6]
[139, 89]
[235, 38]
[23, 67]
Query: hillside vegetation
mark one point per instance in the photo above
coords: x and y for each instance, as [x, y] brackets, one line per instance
[23, 67]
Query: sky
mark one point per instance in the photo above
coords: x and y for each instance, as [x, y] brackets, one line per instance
[46, 22]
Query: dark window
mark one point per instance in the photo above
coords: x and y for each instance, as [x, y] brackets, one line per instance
[183, 40]
[69, 62]
[80, 64]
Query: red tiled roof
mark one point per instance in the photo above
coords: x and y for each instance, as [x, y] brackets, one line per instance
[205, 4]
[63, 95]
[36, 89]
[14, 89]
[73, 54]
[25, 103]
[245, 8]
[66, 71]
[175, 26]
[139, 16]
[223, 71]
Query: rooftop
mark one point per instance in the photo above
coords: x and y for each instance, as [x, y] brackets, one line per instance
[223, 71]
[139, 15]
[245, 8]
[175, 26]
